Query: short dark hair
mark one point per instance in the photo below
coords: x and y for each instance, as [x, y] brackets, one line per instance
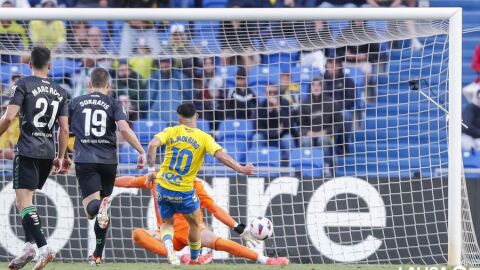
[241, 73]
[100, 77]
[186, 110]
[40, 57]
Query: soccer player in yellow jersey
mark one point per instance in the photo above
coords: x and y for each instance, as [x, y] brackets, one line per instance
[186, 146]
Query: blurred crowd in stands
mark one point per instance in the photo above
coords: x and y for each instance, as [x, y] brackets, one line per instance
[155, 66]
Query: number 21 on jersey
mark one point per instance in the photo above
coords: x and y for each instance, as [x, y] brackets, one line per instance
[42, 104]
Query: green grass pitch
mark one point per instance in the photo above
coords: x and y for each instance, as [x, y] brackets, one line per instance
[213, 266]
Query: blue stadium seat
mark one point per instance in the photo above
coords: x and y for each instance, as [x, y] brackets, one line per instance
[113, 42]
[288, 54]
[204, 125]
[128, 155]
[237, 151]
[260, 91]
[308, 161]
[337, 25]
[182, 4]
[146, 129]
[214, 3]
[239, 130]
[210, 160]
[207, 41]
[64, 67]
[263, 75]
[471, 161]
[228, 73]
[360, 166]
[264, 156]
[8, 69]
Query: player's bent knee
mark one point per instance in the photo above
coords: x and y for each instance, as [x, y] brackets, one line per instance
[92, 208]
[23, 198]
[138, 234]
[208, 238]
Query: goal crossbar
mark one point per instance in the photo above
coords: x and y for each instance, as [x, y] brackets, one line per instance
[258, 14]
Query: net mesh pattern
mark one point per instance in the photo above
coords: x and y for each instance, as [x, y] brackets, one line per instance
[351, 153]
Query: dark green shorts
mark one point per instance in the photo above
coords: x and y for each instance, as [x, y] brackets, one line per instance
[30, 173]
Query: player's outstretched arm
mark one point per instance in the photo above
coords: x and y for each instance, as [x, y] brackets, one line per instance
[8, 117]
[152, 158]
[228, 161]
[132, 139]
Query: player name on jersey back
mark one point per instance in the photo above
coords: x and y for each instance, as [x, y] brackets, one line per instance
[48, 90]
[102, 103]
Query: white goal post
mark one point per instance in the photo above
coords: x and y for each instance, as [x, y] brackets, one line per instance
[439, 21]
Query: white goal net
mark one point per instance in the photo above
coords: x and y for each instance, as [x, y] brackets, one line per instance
[345, 119]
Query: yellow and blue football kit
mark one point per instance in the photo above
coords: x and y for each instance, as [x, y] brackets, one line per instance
[184, 155]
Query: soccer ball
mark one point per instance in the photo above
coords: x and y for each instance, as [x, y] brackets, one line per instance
[261, 228]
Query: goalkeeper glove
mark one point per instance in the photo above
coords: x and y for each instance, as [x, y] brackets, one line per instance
[246, 235]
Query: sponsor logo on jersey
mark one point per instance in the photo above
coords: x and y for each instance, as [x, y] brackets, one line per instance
[14, 88]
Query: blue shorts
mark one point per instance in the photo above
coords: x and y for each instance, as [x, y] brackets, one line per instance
[171, 202]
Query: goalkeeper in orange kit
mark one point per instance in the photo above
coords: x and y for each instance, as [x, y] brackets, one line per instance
[151, 240]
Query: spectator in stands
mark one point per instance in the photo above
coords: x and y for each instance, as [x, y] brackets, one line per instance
[16, 3]
[180, 44]
[168, 88]
[9, 139]
[133, 31]
[366, 57]
[209, 93]
[471, 118]
[51, 34]
[128, 84]
[77, 39]
[361, 56]
[142, 62]
[207, 71]
[342, 90]
[242, 100]
[275, 121]
[96, 47]
[87, 42]
[476, 62]
[60, 3]
[80, 79]
[238, 36]
[316, 33]
[290, 90]
[320, 122]
[470, 90]
[12, 31]
[13, 36]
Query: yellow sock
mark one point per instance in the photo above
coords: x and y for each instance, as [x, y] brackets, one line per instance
[195, 248]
